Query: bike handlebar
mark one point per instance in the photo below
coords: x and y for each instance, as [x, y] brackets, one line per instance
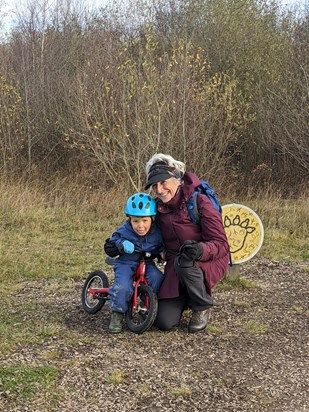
[143, 255]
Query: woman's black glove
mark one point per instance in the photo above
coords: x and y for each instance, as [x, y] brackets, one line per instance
[191, 250]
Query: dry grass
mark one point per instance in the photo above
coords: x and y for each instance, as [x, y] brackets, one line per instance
[56, 229]
[62, 195]
[286, 225]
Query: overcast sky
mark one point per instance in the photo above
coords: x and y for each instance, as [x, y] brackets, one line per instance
[295, 2]
[7, 8]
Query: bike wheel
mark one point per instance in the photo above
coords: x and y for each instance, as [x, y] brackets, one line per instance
[142, 318]
[96, 280]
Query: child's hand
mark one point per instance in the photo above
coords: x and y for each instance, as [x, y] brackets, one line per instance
[127, 247]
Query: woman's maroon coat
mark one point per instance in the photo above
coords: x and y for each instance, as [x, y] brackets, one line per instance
[176, 227]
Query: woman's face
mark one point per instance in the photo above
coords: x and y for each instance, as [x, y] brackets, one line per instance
[166, 189]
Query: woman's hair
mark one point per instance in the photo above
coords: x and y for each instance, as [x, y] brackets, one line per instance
[166, 159]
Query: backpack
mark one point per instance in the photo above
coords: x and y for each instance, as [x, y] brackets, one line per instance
[205, 189]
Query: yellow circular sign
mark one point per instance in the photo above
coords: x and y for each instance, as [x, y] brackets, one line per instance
[244, 231]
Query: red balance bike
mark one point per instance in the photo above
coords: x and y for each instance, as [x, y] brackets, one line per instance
[143, 306]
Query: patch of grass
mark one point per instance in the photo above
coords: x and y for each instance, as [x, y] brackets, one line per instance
[24, 381]
[221, 382]
[239, 282]
[49, 330]
[5, 348]
[115, 378]
[74, 338]
[286, 226]
[241, 304]
[183, 391]
[34, 253]
[198, 374]
[285, 246]
[87, 340]
[7, 287]
[256, 328]
[115, 357]
[229, 336]
[144, 389]
[26, 328]
[13, 330]
[50, 355]
[187, 313]
[49, 243]
[298, 310]
[213, 329]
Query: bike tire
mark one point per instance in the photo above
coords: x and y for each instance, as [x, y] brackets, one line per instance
[96, 279]
[142, 319]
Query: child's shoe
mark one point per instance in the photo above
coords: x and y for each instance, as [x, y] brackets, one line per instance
[115, 324]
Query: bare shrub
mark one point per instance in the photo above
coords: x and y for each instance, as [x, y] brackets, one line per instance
[11, 126]
[144, 100]
[222, 86]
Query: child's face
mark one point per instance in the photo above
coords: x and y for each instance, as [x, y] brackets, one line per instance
[141, 225]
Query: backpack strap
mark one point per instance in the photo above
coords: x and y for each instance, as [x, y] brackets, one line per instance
[192, 208]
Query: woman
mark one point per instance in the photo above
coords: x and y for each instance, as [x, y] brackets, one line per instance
[197, 255]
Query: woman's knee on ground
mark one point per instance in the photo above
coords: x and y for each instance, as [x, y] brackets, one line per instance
[165, 323]
[170, 312]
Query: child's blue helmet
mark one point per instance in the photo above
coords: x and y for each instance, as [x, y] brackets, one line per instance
[140, 205]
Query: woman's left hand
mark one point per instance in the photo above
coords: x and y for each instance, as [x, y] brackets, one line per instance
[191, 250]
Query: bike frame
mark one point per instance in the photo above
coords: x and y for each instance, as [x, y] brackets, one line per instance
[139, 277]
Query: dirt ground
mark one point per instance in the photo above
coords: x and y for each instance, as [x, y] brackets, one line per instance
[253, 357]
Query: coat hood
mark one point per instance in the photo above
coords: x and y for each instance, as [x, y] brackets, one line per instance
[191, 182]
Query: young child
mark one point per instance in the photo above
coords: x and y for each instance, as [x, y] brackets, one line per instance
[138, 233]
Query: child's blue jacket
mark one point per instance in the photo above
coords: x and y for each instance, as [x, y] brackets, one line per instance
[152, 242]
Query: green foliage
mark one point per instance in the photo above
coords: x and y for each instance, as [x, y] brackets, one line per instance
[115, 378]
[256, 328]
[25, 381]
[183, 392]
[238, 282]
[214, 329]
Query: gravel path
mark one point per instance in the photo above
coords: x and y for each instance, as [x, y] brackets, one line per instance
[253, 357]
